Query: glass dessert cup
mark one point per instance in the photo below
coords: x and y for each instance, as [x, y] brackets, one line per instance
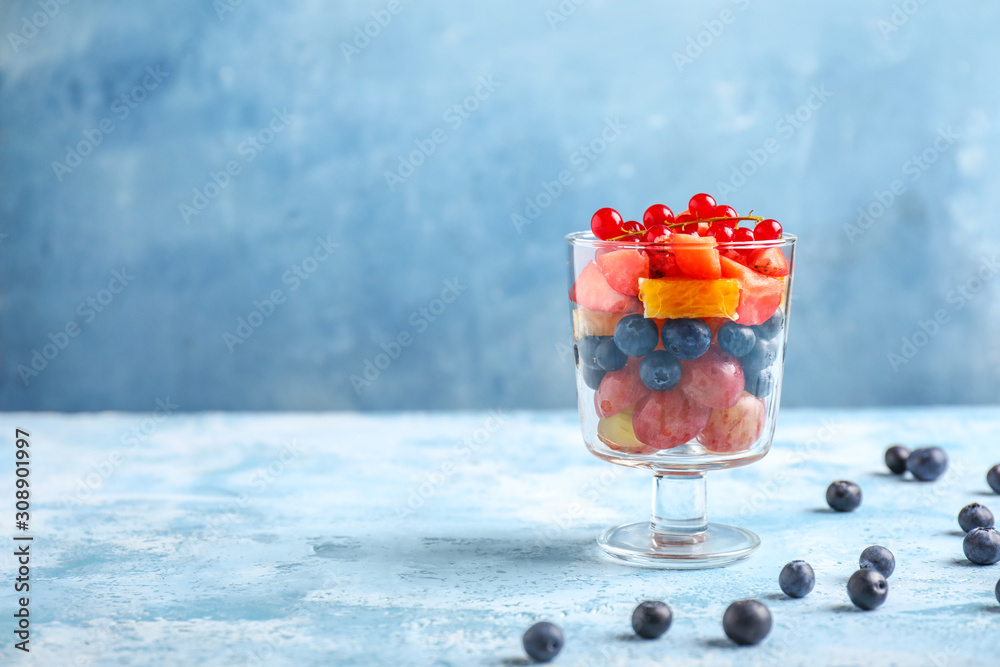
[723, 337]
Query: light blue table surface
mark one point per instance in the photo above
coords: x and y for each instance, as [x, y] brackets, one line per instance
[399, 539]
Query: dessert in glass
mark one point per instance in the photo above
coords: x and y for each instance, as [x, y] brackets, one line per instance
[679, 327]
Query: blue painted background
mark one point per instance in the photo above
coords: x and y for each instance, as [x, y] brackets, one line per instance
[239, 142]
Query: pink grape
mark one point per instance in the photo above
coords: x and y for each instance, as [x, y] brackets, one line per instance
[715, 379]
[734, 429]
[619, 390]
[666, 419]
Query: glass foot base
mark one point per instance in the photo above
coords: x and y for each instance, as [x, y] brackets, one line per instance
[717, 546]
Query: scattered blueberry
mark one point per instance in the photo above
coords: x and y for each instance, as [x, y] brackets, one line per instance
[867, 588]
[686, 338]
[736, 339]
[797, 579]
[878, 558]
[770, 329]
[997, 591]
[651, 619]
[747, 622]
[982, 546]
[975, 516]
[592, 376]
[895, 459]
[636, 335]
[843, 496]
[609, 357]
[759, 383]
[993, 478]
[543, 641]
[927, 463]
[660, 370]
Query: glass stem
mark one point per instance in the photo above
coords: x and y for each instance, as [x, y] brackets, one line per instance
[679, 505]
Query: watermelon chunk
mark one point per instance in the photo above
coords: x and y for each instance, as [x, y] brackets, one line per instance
[769, 261]
[623, 268]
[593, 291]
[760, 295]
[696, 255]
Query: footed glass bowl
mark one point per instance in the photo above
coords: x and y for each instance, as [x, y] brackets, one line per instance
[679, 375]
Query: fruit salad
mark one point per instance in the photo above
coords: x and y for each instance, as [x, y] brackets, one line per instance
[679, 332]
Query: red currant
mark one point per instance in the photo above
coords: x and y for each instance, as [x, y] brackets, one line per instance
[767, 230]
[633, 227]
[692, 224]
[722, 231]
[723, 212]
[701, 205]
[657, 233]
[657, 214]
[742, 234]
[606, 224]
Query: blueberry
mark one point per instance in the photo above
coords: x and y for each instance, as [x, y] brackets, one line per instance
[651, 619]
[747, 622]
[592, 376]
[997, 591]
[686, 338]
[660, 370]
[762, 355]
[770, 329]
[867, 588]
[895, 459]
[543, 641]
[760, 383]
[982, 546]
[609, 357]
[843, 496]
[993, 478]
[636, 335]
[587, 350]
[975, 516]
[736, 339]
[797, 579]
[927, 463]
[878, 558]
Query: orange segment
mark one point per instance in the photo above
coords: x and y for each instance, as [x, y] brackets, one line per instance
[688, 297]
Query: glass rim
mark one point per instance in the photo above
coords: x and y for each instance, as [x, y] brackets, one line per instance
[588, 240]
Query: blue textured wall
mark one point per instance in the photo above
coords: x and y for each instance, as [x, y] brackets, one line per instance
[231, 143]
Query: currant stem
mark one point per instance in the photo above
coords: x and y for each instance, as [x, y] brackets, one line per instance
[756, 218]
